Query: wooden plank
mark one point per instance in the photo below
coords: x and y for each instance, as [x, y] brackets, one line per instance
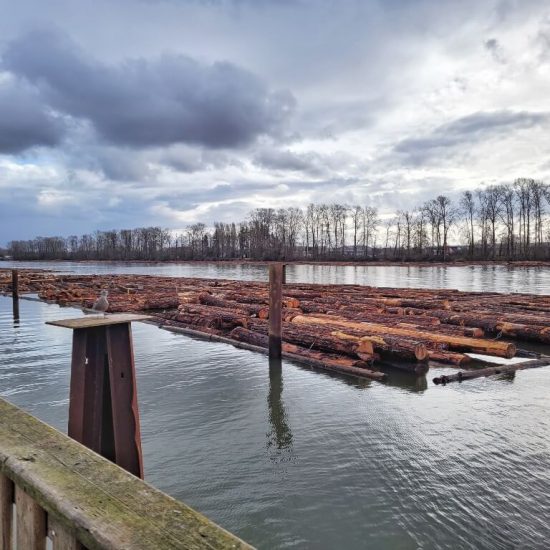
[6, 513]
[123, 398]
[30, 522]
[98, 320]
[102, 504]
[275, 310]
[61, 538]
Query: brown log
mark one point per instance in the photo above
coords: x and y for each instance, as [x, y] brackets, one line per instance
[321, 340]
[449, 357]
[315, 359]
[457, 343]
[490, 371]
[399, 348]
[206, 298]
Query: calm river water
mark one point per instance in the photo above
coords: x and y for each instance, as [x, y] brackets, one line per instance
[287, 457]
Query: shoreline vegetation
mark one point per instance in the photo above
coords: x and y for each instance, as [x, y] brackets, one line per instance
[507, 222]
[342, 263]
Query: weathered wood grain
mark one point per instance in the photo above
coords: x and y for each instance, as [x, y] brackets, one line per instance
[30, 522]
[104, 506]
[97, 321]
[6, 513]
[62, 539]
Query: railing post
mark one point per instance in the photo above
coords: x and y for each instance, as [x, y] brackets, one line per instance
[30, 522]
[275, 309]
[103, 408]
[61, 538]
[6, 513]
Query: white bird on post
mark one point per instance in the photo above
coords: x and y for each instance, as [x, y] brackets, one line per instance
[101, 304]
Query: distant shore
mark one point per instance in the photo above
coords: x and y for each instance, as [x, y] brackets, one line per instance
[351, 263]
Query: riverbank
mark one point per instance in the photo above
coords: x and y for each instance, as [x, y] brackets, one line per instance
[350, 263]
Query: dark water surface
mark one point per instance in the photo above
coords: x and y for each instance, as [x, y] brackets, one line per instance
[292, 458]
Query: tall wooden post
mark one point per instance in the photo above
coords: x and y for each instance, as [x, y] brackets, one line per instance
[103, 407]
[275, 307]
[15, 284]
[15, 294]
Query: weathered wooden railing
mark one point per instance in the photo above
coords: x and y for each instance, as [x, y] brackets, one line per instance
[67, 493]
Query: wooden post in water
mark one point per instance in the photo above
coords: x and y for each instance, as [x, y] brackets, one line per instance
[103, 408]
[15, 284]
[275, 307]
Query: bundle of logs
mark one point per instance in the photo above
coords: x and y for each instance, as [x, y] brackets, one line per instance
[344, 326]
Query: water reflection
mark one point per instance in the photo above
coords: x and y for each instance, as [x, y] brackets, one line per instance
[349, 463]
[280, 437]
[407, 380]
[15, 312]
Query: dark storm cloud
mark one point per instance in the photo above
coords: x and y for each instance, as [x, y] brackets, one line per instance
[466, 131]
[24, 122]
[140, 102]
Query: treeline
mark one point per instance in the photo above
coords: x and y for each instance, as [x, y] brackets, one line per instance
[497, 222]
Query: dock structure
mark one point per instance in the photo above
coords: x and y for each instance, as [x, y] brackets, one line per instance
[77, 499]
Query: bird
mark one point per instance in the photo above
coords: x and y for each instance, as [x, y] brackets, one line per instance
[101, 304]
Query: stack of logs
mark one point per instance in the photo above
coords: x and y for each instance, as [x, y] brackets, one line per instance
[347, 325]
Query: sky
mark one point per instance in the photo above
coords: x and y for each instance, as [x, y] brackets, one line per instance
[126, 113]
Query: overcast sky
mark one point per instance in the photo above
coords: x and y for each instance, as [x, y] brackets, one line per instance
[124, 113]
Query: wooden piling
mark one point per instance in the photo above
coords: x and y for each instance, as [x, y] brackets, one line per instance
[275, 309]
[15, 284]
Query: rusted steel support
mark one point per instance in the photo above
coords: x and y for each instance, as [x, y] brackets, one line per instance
[275, 309]
[103, 408]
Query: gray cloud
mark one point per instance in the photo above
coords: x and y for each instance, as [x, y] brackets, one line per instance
[465, 131]
[115, 132]
[24, 121]
[140, 102]
[274, 159]
[493, 46]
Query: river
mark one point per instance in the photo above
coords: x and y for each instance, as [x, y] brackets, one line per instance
[287, 457]
[497, 278]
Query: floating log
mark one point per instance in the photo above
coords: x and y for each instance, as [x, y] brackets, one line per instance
[445, 323]
[322, 361]
[321, 340]
[400, 348]
[475, 345]
[490, 371]
[449, 358]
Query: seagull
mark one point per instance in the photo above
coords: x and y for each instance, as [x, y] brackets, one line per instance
[101, 304]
